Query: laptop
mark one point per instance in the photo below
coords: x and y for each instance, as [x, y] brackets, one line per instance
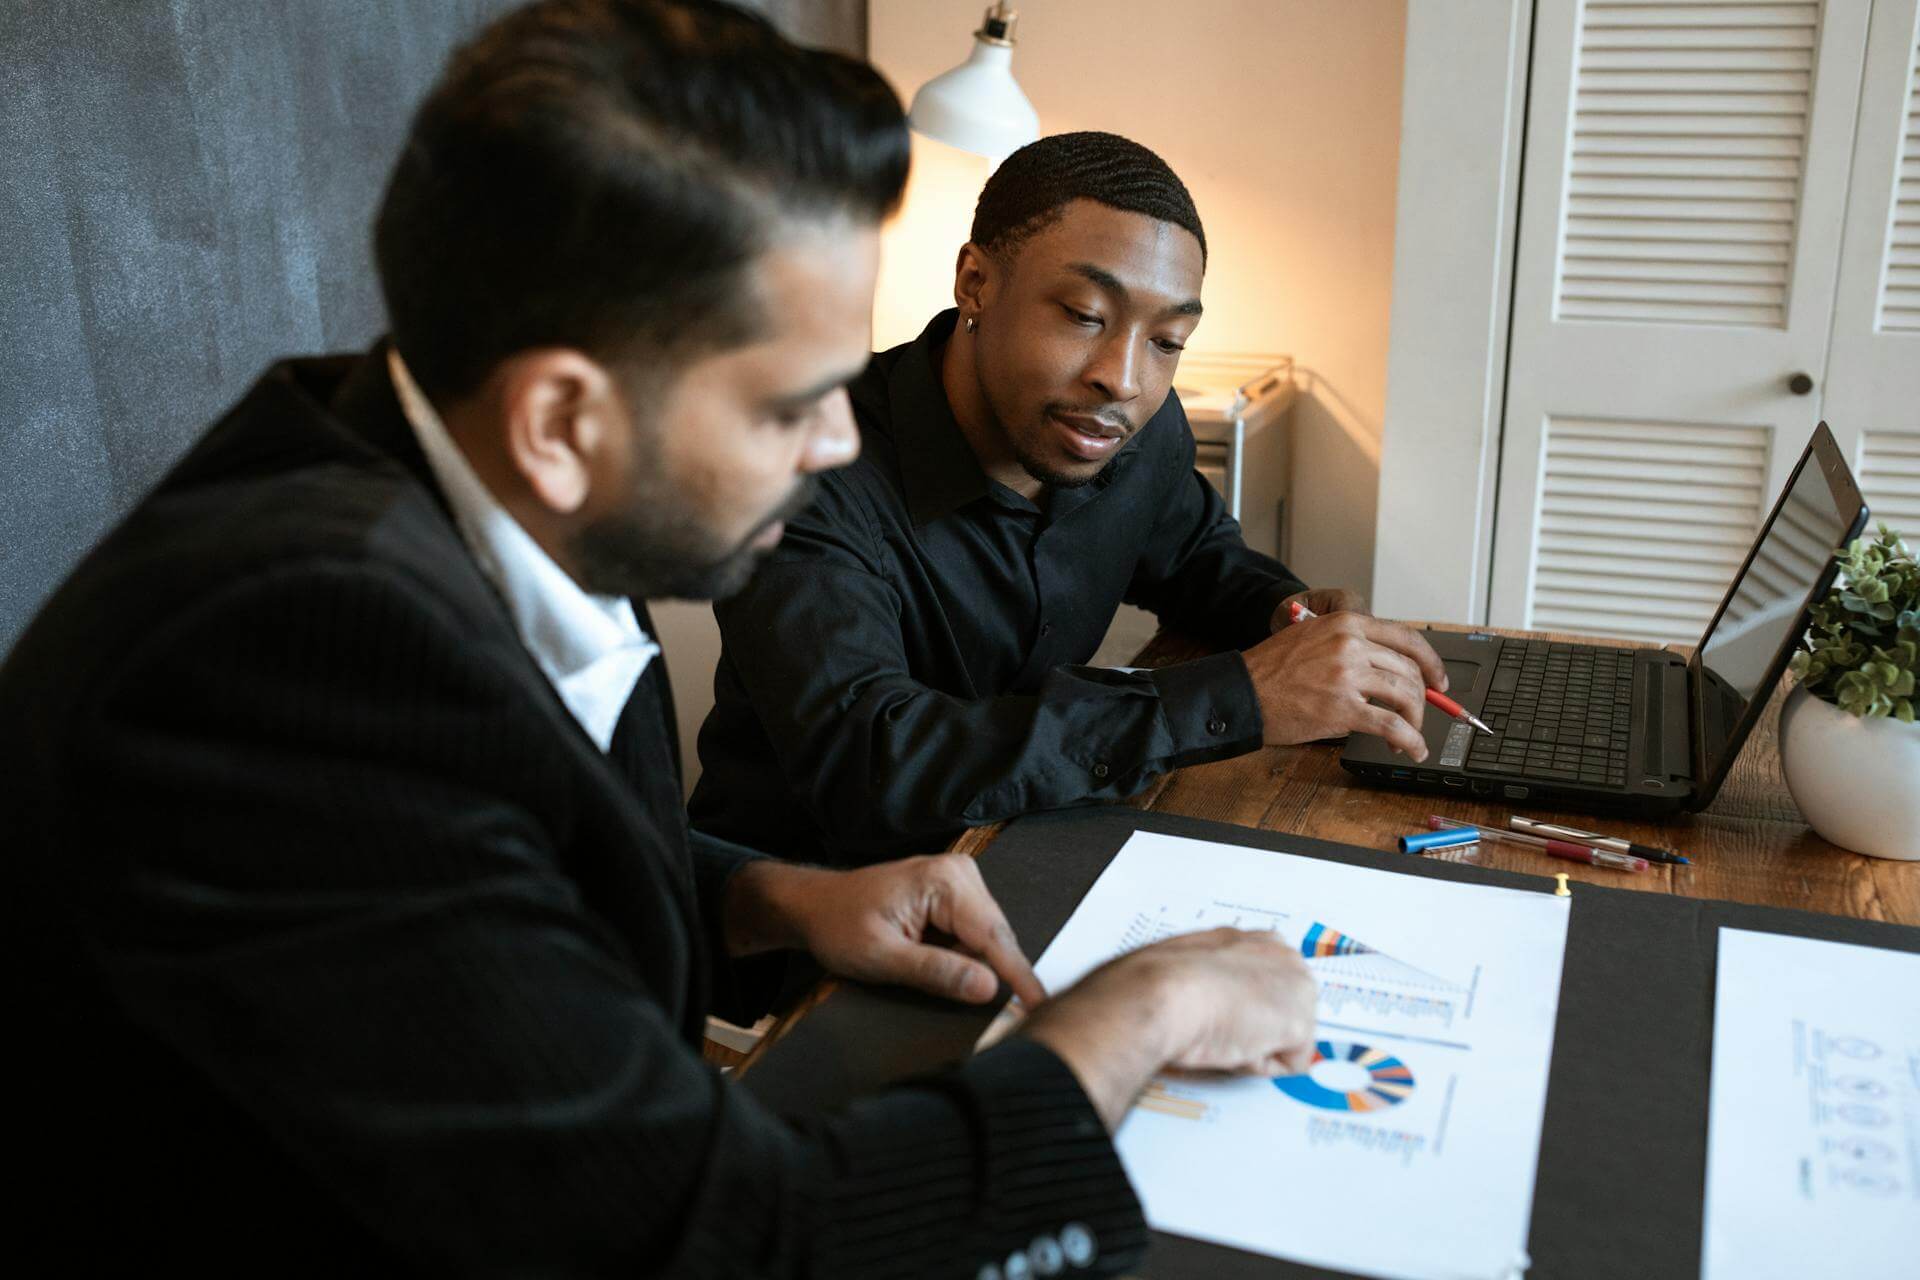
[1641, 731]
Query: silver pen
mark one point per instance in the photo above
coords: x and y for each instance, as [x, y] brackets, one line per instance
[1556, 831]
[1553, 847]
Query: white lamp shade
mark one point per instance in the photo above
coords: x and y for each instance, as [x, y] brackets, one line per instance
[977, 106]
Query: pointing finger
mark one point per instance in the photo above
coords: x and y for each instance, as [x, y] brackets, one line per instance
[979, 925]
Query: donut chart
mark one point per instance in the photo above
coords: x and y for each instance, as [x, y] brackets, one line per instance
[1388, 1081]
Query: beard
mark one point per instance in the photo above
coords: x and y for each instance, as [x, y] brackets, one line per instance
[657, 549]
[1040, 469]
[1031, 448]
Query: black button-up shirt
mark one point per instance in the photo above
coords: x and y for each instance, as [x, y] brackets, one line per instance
[907, 662]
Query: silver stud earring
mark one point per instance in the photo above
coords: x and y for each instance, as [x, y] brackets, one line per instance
[972, 324]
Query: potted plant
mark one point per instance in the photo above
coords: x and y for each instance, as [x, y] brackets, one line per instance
[1849, 740]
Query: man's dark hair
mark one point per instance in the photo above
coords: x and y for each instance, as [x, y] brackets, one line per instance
[1032, 188]
[597, 174]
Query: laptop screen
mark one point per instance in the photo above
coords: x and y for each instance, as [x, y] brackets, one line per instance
[1747, 645]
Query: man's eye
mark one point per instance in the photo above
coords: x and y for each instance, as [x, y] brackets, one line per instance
[1169, 346]
[1079, 317]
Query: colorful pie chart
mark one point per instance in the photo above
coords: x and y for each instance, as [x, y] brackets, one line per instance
[1349, 1077]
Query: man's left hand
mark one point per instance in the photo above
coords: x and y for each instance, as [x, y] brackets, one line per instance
[1322, 600]
[886, 923]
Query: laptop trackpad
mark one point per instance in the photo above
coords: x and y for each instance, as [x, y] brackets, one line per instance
[1461, 673]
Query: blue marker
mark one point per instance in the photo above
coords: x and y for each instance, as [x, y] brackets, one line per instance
[1421, 841]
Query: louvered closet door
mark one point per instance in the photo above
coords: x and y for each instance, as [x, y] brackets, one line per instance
[1680, 219]
[1873, 379]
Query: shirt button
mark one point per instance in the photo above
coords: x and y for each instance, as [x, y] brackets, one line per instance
[1100, 769]
[1216, 725]
[1046, 628]
[1076, 1241]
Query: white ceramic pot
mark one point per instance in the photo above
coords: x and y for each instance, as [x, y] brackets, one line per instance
[1857, 781]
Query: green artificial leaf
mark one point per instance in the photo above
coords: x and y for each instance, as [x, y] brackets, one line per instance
[1861, 650]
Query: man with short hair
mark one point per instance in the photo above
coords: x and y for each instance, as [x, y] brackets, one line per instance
[909, 661]
[354, 917]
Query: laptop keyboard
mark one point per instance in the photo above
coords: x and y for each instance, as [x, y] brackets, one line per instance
[1558, 711]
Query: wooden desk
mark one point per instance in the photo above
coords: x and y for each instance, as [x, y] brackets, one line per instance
[1751, 845]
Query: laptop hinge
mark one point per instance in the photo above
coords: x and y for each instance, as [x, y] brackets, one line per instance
[1664, 737]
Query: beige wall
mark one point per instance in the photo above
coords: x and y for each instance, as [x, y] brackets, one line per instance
[1283, 117]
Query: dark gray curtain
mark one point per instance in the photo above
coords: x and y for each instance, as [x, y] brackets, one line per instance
[185, 193]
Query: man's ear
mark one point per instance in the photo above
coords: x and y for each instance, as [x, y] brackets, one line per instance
[976, 278]
[563, 416]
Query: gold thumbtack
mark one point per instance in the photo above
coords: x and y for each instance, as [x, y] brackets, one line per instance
[1562, 891]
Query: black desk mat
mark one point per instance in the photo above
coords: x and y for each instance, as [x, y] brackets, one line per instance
[1623, 1145]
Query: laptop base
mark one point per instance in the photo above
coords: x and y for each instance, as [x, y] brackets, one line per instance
[1615, 742]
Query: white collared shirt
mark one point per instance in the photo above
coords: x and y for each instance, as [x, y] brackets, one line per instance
[591, 647]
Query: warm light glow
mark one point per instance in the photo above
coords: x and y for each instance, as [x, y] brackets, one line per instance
[918, 248]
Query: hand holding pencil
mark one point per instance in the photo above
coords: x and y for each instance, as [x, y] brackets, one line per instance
[1347, 672]
[1435, 698]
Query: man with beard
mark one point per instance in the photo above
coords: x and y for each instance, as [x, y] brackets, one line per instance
[908, 662]
[354, 918]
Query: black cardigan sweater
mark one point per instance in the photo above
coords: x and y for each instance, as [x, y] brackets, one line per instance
[340, 946]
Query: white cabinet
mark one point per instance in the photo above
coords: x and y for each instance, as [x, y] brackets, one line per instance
[1714, 253]
[1719, 245]
[1872, 395]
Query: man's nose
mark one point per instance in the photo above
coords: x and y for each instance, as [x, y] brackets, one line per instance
[836, 441]
[1115, 371]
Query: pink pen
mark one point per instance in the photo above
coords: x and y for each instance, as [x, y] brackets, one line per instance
[1552, 848]
[1300, 613]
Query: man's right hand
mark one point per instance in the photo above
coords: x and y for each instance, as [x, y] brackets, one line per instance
[1225, 1000]
[1319, 678]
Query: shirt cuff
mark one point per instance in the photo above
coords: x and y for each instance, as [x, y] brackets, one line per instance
[1260, 625]
[1028, 1183]
[742, 989]
[1047, 1149]
[1211, 709]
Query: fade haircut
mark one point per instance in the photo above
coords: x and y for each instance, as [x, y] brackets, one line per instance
[599, 174]
[1031, 189]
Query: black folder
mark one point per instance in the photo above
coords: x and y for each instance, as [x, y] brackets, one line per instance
[1621, 1180]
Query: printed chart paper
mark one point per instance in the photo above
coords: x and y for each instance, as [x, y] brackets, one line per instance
[1408, 1149]
[1813, 1122]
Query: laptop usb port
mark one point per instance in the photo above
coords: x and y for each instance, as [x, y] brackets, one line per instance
[1401, 775]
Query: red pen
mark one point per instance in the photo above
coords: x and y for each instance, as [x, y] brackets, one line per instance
[1552, 848]
[1300, 613]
